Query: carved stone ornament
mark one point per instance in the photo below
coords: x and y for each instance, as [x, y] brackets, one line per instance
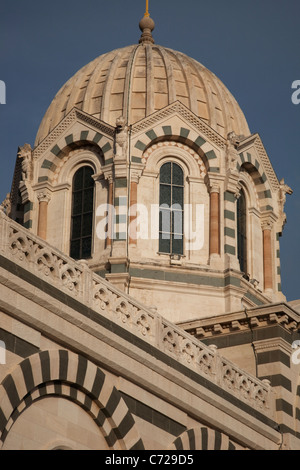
[44, 196]
[25, 154]
[121, 139]
[214, 188]
[284, 189]
[237, 193]
[231, 153]
[267, 224]
[48, 264]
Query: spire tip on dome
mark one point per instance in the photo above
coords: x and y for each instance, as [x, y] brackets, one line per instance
[147, 25]
[147, 9]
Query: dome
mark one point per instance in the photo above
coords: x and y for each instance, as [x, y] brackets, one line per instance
[137, 80]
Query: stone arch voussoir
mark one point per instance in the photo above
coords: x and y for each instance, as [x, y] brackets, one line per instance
[66, 374]
[202, 438]
[80, 138]
[249, 163]
[184, 136]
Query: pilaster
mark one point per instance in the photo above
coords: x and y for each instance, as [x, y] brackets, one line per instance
[43, 198]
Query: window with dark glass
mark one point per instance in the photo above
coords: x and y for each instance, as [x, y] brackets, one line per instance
[242, 231]
[82, 213]
[171, 209]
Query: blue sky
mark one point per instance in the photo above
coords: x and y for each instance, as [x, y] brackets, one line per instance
[252, 46]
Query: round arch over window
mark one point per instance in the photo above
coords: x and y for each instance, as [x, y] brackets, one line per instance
[171, 204]
[82, 213]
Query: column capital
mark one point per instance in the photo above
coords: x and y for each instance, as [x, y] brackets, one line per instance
[110, 178]
[214, 188]
[44, 196]
[237, 193]
[232, 183]
[267, 224]
[267, 221]
[136, 170]
[108, 173]
[135, 177]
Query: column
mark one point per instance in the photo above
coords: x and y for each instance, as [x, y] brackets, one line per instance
[267, 254]
[110, 211]
[44, 198]
[133, 213]
[214, 235]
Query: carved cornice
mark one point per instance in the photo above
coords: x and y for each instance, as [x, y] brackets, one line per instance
[258, 317]
[272, 344]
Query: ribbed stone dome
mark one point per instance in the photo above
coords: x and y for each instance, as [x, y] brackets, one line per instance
[138, 80]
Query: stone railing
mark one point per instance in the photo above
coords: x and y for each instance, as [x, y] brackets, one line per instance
[76, 279]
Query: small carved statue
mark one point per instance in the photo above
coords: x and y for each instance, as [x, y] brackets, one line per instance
[232, 154]
[282, 192]
[25, 154]
[121, 138]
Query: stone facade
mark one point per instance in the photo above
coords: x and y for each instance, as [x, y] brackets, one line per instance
[133, 347]
[72, 336]
[213, 279]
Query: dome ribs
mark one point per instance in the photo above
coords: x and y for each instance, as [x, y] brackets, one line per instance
[139, 86]
[92, 89]
[189, 76]
[149, 80]
[105, 105]
[128, 84]
[170, 76]
[180, 79]
[212, 117]
[78, 89]
[139, 80]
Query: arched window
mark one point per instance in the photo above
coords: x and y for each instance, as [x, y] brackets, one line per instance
[242, 231]
[171, 209]
[82, 213]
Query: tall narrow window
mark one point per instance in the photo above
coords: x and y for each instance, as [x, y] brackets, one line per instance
[82, 213]
[242, 231]
[171, 209]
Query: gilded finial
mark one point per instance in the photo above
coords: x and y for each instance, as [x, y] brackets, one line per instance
[147, 25]
[147, 9]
